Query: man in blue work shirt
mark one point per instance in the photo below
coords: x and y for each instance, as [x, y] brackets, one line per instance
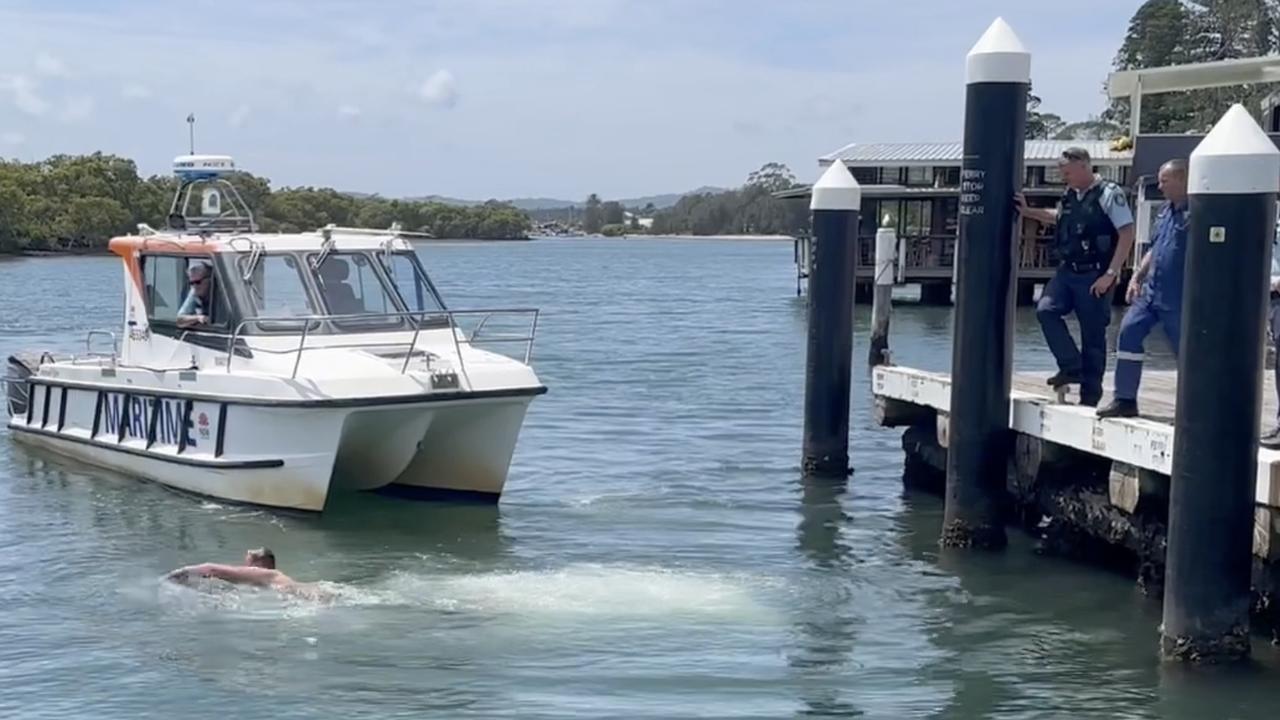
[1155, 292]
[1093, 237]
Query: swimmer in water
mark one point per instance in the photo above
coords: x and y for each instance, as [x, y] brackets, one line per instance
[259, 569]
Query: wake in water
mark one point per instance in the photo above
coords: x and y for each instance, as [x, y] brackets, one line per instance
[595, 590]
[575, 590]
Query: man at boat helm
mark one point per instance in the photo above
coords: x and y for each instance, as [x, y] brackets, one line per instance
[259, 569]
[195, 308]
[1093, 236]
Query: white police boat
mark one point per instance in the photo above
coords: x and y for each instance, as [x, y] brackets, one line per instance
[278, 369]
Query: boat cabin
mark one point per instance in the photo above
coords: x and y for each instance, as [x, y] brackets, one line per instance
[211, 278]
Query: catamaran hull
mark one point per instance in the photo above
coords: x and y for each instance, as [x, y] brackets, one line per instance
[287, 455]
[300, 484]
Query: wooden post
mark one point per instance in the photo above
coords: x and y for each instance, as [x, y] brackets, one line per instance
[882, 301]
[997, 74]
[1233, 179]
[835, 202]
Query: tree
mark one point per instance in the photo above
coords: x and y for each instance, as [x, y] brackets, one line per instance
[1176, 32]
[612, 213]
[1040, 126]
[1094, 128]
[592, 216]
[1157, 36]
[82, 201]
[773, 177]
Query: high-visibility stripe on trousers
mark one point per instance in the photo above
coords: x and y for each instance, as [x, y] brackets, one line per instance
[1138, 322]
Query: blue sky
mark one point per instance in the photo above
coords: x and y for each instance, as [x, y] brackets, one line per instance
[498, 98]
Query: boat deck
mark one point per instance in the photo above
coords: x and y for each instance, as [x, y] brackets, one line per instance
[1144, 442]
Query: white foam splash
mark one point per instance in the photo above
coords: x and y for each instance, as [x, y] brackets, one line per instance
[573, 591]
[583, 590]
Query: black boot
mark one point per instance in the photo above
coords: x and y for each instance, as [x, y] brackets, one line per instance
[1119, 409]
[1063, 378]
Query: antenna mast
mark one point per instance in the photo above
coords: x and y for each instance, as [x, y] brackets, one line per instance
[191, 128]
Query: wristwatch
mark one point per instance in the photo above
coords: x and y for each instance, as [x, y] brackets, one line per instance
[1110, 272]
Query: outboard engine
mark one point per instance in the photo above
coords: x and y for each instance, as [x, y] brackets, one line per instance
[18, 391]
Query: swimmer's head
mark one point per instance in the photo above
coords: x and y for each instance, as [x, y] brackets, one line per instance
[262, 557]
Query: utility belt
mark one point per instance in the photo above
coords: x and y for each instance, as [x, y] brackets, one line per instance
[1084, 267]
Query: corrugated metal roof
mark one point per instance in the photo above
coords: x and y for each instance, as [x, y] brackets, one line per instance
[950, 153]
[904, 191]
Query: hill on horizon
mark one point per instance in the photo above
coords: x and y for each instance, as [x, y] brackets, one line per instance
[661, 201]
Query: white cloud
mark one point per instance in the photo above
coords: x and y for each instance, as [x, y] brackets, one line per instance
[238, 116]
[12, 138]
[349, 111]
[77, 108]
[134, 91]
[47, 64]
[24, 94]
[440, 90]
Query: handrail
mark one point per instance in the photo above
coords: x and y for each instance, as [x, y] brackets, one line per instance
[88, 343]
[419, 316]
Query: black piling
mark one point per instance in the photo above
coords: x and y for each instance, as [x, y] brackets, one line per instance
[835, 202]
[1233, 180]
[998, 74]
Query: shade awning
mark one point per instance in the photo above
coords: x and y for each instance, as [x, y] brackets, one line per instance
[1194, 76]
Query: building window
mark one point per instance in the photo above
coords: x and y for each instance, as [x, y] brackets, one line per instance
[920, 176]
[892, 175]
[917, 217]
[1052, 175]
[946, 177]
[1108, 172]
[866, 175]
[1035, 176]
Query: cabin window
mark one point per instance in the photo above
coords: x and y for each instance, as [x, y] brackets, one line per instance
[411, 281]
[276, 289]
[170, 292]
[349, 285]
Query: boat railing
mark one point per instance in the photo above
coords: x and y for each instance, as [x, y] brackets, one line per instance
[88, 344]
[476, 337]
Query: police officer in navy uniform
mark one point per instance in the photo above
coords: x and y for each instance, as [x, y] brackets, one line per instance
[1093, 237]
[1155, 292]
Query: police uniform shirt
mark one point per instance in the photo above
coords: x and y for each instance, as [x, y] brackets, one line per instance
[1113, 202]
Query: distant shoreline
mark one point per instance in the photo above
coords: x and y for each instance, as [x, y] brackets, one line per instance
[82, 252]
[711, 237]
[787, 238]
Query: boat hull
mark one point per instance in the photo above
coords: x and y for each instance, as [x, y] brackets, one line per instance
[288, 455]
[299, 484]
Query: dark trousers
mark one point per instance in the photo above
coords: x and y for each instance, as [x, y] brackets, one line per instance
[1068, 292]
[1139, 320]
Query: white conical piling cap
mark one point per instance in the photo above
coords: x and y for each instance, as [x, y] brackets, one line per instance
[1235, 158]
[836, 190]
[998, 57]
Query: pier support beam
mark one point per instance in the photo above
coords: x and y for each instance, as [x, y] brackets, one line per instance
[882, 302]
[1233, 179]
[835, 202]
[935, 292]
[997, 75]
[1026, 293]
